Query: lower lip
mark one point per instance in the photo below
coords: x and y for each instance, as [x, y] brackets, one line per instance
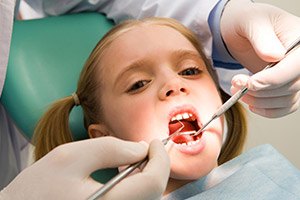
[192, 149]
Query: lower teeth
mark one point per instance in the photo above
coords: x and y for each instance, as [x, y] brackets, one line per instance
[189, 143]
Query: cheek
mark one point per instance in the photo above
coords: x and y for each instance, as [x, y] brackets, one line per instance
[214, 93]
[129, 118]
[208, 97]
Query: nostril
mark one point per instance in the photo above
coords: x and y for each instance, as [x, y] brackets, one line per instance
[169, 93]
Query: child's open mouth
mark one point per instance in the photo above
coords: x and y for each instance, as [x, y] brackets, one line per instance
[190, 123]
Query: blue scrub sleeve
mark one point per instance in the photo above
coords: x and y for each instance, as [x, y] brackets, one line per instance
[220, 55]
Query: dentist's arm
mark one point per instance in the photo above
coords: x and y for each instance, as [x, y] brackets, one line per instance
[64, 172]
[256, 34]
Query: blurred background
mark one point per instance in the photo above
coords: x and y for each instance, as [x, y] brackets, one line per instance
[282, 133]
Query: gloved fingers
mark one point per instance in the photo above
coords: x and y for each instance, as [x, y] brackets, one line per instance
[69, 166]
[284, 72]
[87, 156]
[271, 102]
[276, 112]
[284, 90]
[150, 183]
[287, 70]
[287, 89]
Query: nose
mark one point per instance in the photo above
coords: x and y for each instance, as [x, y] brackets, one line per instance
[173, 87]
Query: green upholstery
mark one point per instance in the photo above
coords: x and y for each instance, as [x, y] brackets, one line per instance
[46, 58]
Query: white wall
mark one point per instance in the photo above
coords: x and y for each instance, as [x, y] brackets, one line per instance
[283, 133]
[292, 6]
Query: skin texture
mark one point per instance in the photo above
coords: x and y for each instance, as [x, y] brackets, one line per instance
[149, 84]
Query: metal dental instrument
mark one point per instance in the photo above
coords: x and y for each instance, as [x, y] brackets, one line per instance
[232, 100]
[123, 174]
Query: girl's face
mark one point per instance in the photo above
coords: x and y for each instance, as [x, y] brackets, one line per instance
[152, 77]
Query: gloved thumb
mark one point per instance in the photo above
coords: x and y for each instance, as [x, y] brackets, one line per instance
[240, 80]
[251, 82]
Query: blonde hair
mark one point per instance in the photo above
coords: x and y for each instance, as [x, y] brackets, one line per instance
[53, 128]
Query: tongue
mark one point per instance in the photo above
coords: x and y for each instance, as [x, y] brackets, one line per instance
[187, 127]
[182, 138]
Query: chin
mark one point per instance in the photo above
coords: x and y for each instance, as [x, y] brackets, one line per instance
[188, 165]
[191, 170]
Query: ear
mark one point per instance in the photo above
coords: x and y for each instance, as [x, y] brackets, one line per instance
[97, 130]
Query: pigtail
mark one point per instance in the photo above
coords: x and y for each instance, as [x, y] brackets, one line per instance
[237, 131]
[53, 128]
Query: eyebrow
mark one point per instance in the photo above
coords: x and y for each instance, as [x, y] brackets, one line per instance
[135, 66]
[186, 53]
[175, 55]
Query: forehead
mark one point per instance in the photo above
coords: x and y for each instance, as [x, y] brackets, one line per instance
[144, 41]
[150, 35]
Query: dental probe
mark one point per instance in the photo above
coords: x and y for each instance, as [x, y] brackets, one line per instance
[232, 100]
[123, 174]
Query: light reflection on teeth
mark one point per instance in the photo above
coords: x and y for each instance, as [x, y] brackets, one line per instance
[186, 115]
[182, 116]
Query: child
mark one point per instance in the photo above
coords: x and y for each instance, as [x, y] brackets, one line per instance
[139, 81]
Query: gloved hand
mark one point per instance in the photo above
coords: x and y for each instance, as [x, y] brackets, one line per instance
[256, 34]
[64, 172]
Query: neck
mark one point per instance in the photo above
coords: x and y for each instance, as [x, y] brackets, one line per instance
[174, 184]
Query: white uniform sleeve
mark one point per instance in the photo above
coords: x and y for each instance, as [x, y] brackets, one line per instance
[14, 149]
[13, 153]
[6, 22]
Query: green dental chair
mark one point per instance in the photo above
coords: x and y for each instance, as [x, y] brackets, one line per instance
[46, 58]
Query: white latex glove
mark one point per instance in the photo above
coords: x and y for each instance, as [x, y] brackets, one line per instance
[64, 172]
[256, 34]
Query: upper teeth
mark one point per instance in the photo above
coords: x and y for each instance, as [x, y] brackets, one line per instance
[182, 116]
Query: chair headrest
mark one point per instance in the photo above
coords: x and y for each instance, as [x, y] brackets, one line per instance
[45, 61]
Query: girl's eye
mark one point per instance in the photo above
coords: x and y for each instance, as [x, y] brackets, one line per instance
[192, 71]
[138, 85]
